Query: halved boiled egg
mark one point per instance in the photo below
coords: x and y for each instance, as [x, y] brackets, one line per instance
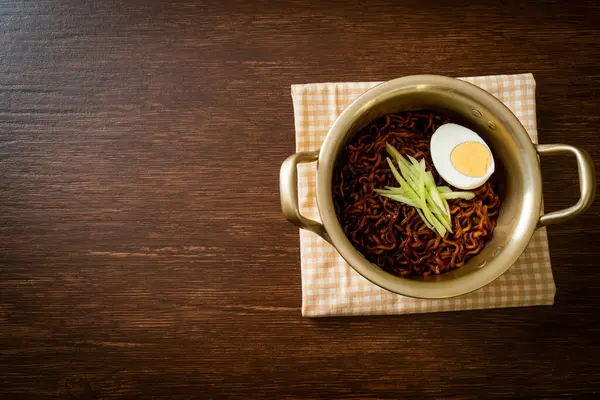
[461, 157]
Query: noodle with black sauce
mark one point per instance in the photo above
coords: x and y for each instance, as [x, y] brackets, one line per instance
[390, 234]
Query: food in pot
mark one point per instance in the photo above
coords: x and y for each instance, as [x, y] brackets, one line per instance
[392, 234]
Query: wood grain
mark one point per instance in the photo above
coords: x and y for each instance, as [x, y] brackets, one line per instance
[143, 252]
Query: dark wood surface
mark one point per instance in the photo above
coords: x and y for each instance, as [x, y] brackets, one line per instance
[143, 252]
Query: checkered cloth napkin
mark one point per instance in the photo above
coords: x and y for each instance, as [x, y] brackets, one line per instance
[331, 287]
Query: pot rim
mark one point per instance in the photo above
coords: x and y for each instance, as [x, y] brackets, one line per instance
[432, 289]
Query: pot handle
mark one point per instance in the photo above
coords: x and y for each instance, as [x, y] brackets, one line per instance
[288, 191]
[587, 183]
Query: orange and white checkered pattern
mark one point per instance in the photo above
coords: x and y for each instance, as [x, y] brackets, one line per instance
[331, 287]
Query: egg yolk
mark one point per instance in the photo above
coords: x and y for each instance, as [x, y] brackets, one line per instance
[471, 159]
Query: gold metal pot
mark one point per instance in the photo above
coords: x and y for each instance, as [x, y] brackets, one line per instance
[517, 165]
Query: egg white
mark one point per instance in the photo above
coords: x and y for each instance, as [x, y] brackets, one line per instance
[443, 141]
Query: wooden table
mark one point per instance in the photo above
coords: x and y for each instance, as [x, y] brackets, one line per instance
[143, 250]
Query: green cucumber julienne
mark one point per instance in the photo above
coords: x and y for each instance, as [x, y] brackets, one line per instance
[418, 189]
